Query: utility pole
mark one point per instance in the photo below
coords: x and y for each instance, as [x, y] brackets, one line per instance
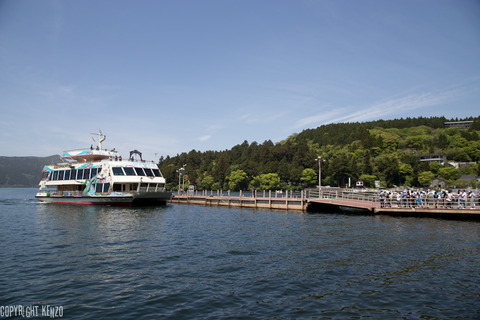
[184, 171]
[319, 159]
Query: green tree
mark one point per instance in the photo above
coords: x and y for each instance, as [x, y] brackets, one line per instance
[435, 166]
[392, 175]
[388, 166]
[368, 179]
[237, 180]
[390, 142]
[207, 182]
[442, 141]
[449, 173]
[458, 154]
[425, 178]
[221, 169]
[473, 150]
[339, 168]
[405, 169]
[459, 142]
[309, 177]
[418, 142]
[267, 181]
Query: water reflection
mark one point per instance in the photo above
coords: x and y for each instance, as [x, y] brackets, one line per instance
[98, 240]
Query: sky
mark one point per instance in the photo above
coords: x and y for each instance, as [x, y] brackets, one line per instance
[167, 77]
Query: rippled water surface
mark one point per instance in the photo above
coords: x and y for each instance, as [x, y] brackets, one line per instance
[195, 262]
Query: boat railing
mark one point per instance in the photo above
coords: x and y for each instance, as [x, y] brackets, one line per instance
[63, 193]
[91, 149]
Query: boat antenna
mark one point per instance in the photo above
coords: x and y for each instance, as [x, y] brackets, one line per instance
[101, 138]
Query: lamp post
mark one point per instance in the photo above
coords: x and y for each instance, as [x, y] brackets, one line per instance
[181, 173]
[319, 159]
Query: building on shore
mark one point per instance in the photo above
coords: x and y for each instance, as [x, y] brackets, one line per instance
[458, 124]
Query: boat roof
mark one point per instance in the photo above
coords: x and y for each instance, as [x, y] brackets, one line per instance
[90, 154]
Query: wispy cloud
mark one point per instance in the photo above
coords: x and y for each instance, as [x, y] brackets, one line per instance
[210, 132]
[205, 138]
[394, 106]
[403, 104]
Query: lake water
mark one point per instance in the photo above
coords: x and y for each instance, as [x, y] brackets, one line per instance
[195, 262]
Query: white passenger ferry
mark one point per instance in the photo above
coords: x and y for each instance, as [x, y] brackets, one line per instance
[95, 176]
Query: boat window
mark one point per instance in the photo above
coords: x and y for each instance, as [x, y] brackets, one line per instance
[86, 174]
[94, 172]
[157, 173]
[139, 172]
[80, 174]
[118, 171]
[73, 174]
[102, 187]
[148, 171]
[55, 175]
[117, 187]
[67, 175]
[129, 171]
[60, 175]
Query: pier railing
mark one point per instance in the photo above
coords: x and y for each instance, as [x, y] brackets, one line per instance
[343, 194]
[252, 199]
[370, 197]
[244, 194]
[371, 201]
[377, 201]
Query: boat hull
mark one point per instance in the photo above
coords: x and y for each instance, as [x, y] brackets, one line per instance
[147, 199]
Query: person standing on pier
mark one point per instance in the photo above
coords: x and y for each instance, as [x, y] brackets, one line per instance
[435, 199]
[462, 199]
[471, 198]
[404, 198]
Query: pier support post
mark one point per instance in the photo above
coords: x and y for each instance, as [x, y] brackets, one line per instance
[270, 199]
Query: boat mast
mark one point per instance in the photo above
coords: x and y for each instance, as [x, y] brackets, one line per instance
[101, 138]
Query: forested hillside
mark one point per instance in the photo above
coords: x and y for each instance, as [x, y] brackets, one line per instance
[23, 171]
[385, 150]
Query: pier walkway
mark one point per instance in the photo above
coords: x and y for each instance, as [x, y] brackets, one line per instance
[330, 199]
[265, 200]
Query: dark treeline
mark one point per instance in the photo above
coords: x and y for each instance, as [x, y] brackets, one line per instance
[345, 133]
[383, 150]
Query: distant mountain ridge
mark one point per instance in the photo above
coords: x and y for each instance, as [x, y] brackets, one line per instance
[23, 171]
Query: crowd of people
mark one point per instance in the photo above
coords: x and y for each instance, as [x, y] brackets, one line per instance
[417, 198]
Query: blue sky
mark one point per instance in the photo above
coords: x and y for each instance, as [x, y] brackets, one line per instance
[167, 77]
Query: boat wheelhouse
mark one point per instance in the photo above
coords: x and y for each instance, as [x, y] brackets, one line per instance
[97, 176]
